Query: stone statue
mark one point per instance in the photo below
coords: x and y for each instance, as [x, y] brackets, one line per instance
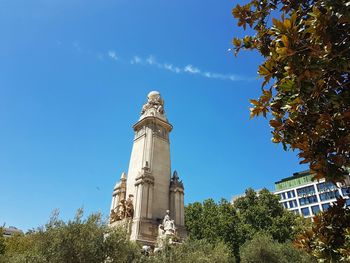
[129, 207]
[121, 209]
[154, 101]
[113, 216]
[168, 225]
[166, 217]
[166, 232]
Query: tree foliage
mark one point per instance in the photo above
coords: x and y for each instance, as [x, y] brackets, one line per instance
[306, 85]
[78, 240]
[263, 249]
[2, 241]
[329, 237]
[262, 212]
[91, 240]
[200, 251]
[213, 222]
[237, 223]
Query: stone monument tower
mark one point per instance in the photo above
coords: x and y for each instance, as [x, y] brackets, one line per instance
[145, 194]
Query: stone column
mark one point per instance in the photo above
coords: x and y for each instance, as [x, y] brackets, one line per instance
[177, 204]
[144, 185]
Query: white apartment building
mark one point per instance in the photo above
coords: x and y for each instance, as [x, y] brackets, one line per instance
[301, 195]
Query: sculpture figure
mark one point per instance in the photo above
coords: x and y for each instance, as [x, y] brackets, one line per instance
[166, 217]
[113, 216]
[129, 207]
[166, 232]
[121, 209]
[168, 225]
[154, 101]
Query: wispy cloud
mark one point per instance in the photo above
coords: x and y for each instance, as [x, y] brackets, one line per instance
[112, 55]
[191, 69]
[151, 61]
[188, 69]
[135, 60]
[172, 68]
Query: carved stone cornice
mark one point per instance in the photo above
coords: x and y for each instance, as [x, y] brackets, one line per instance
[177, 190]
[152, 120]
[144, 177]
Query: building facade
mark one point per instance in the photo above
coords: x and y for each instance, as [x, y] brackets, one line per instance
[148, 192]
[303, 196]
[10, 231]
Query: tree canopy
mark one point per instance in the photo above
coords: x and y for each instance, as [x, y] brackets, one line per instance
[306, 87]
[78, 240]
[236, 223]
[262, 212]
[90, 239]
[263, 249]
[213, 222]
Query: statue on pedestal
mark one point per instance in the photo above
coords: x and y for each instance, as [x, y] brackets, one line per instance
[166, 231]
[154, 101]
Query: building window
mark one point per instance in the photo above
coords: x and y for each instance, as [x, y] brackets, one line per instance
[308, 190]
[315, 209]
[329, 195]
[347, 202]
[308, 200]
[346, 191]
[325, 206]
[285, 205]
[283, 196]
[293, 203]
[326, 186]
[290, 194]
[305, 211]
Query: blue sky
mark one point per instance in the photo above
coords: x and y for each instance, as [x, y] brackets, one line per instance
[74, 75]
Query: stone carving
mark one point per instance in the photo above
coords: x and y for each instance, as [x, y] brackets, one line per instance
[118, 213]
[167, 227]
[154, 101]
[166, 217]
[129, 207]
[166, 232]
[125, 209]
[175, 180]
[121, 209]
[113, 217]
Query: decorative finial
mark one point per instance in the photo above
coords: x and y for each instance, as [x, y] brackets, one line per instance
[175, 176]
[175, 180]
[155, 102]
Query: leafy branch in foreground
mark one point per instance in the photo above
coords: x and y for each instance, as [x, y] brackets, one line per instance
[328, 239]
[306, 85]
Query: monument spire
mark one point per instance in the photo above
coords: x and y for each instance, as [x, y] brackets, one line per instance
[149, 180]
